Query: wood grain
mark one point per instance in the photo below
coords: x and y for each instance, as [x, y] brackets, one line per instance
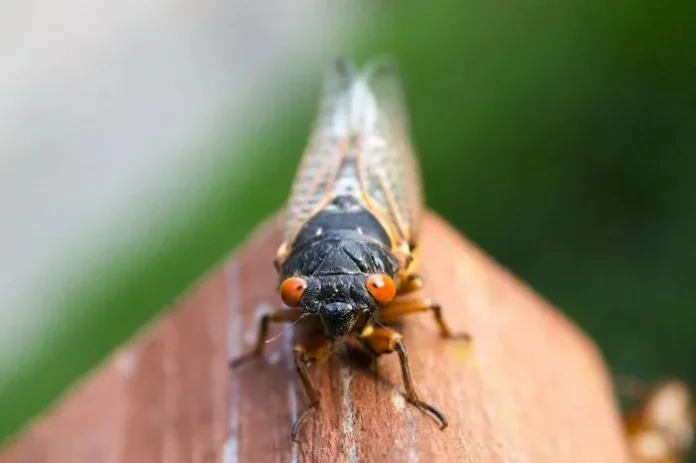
[531, 388]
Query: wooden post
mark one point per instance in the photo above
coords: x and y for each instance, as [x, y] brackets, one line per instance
[531, 387]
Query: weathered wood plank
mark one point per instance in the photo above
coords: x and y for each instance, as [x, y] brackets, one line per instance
[531, 388]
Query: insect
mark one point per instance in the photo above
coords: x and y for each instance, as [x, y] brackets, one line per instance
[660, 429]
[347, 263]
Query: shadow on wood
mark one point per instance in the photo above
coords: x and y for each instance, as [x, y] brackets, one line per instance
[531, 387]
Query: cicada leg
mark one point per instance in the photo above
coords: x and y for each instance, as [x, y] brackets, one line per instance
[408, 304]
[313, 349]
[382, 340]
[412, 283]
[280, 315]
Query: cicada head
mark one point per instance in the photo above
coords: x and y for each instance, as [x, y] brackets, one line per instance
[340, 279]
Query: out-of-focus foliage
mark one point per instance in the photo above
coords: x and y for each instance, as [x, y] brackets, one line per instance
[560, 137]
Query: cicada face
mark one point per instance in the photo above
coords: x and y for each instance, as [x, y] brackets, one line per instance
[340, 274]
[339, 300]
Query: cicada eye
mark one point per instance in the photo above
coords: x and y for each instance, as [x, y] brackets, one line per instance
[292, 289]
[381, 287]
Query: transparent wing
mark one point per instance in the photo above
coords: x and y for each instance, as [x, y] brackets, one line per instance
[323, 156]
[361, 146]
[389, 169]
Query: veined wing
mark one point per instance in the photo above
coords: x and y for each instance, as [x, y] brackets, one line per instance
[389, 170]
[360, 146]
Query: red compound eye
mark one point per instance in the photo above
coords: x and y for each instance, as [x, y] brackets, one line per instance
[292, 289]
[381, 287]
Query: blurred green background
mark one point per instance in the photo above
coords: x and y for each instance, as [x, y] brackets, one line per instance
[561, 138]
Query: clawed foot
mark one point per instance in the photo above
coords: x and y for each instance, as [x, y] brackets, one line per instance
[461, 336]
[236, 362]
[431, 409]
[298, 424]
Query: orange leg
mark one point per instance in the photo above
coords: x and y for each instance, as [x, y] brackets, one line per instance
[281, 315]
[382, 340]
[313, 349]
[406, 305]
[412, 284]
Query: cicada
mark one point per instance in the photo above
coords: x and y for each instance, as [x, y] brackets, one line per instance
[347, 262]
[660, 429]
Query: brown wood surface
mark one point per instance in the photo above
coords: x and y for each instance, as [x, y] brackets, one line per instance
[531, 387]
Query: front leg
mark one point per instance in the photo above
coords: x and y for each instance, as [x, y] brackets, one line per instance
[406, 305]
[313, 349]
[382, 340]
[280, 315]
